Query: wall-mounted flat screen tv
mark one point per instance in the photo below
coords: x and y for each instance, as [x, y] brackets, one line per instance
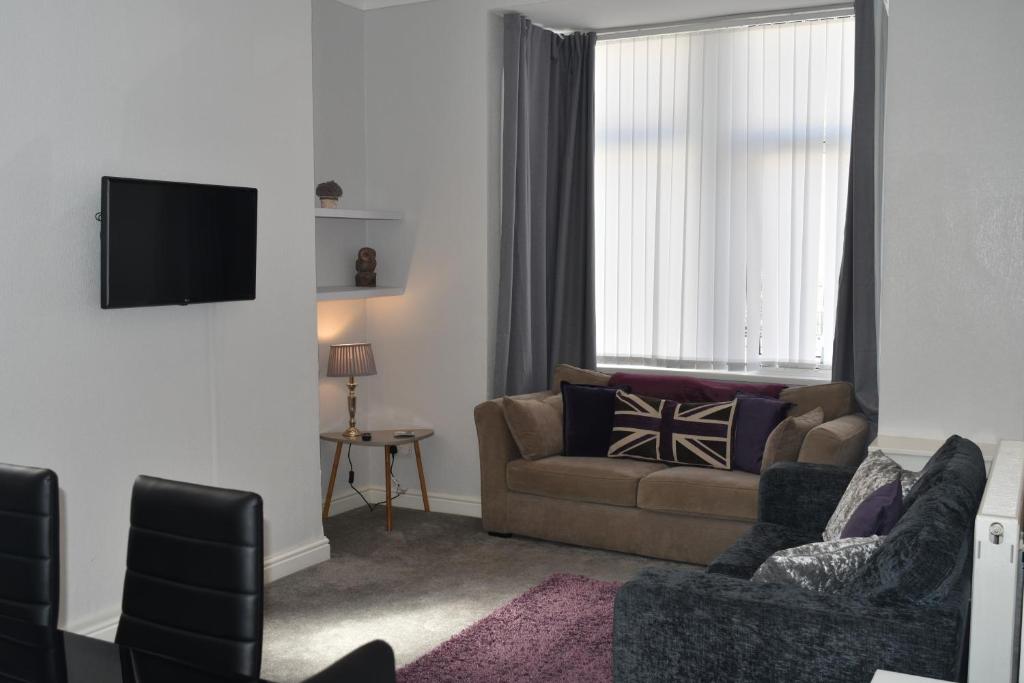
[169, 243]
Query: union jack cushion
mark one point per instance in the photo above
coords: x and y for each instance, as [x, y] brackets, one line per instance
[670, 432]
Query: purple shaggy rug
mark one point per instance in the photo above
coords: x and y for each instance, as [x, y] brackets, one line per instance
[559, 631]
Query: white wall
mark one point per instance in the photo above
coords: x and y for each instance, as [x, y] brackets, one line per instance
[339, 137]
[339, 142]
[193, 90]
[427, 153]
[952, 318]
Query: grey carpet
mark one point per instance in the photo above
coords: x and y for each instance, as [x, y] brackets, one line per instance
[431, 577]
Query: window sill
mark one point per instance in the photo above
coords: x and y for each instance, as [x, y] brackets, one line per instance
[796, 376]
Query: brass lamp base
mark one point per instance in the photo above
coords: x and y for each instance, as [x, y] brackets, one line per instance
[352, 432]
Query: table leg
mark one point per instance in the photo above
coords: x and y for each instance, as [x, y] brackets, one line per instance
[387, 486]
[330, 483]
[423, 480]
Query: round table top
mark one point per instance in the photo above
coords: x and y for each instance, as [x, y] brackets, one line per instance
[379, 437]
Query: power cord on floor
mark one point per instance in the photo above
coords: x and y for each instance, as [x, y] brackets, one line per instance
[391, 473]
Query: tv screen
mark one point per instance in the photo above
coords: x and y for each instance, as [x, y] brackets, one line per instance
[176, 243]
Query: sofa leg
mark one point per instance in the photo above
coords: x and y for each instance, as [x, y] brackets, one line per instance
[498, 534]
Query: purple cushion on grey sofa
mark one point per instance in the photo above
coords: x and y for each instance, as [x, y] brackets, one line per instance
[587, 414]
[878, 514]
[755, 418]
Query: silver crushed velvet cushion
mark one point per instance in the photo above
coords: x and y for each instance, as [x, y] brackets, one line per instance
[876, 471]
[907, 480]
[821, 566]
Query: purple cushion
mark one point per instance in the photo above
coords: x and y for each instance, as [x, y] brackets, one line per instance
[756, 417]
[587, 414]
[685, 389]
[878, 514]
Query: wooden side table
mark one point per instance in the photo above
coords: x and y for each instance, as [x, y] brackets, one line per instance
[382, 438]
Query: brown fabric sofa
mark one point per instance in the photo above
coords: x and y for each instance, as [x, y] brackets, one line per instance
[688, 514]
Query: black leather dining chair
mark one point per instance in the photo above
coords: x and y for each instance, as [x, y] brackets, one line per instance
[29, 545]
[374, 662]
[193, 587]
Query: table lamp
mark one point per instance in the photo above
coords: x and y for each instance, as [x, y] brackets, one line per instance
[351, 360]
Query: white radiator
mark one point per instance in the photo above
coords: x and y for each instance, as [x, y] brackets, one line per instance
[995, 653]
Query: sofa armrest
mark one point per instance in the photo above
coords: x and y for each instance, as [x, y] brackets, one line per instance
[497, 448]
[841, 442]
[801, 495]
[685, 625]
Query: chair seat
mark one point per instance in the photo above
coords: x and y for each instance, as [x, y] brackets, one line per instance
[759, 543]
[611, 481]
[723, 494]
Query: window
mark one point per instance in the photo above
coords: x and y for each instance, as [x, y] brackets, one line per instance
[721, 166]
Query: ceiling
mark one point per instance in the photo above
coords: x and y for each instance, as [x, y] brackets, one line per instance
[593, 15]
[376, 4]
[602, 14]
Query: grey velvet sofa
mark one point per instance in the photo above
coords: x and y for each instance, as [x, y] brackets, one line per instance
[905, 611]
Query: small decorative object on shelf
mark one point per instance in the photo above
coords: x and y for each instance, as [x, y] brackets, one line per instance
[329, 194]
[366, 264]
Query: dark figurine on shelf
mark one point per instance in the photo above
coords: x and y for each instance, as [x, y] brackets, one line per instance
[366, 264]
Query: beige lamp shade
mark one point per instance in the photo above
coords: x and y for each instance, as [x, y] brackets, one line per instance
[351, 360]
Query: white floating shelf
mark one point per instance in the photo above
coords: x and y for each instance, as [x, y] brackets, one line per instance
[360, 214]
[336, 293]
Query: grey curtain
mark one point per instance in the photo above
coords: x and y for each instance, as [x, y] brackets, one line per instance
[855, 348]
[546, 291]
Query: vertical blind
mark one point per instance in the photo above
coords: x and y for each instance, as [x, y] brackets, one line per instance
[721, 167]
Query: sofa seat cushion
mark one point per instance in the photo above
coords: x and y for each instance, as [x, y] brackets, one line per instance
[759, 543]
[725, 494]
[592, 480]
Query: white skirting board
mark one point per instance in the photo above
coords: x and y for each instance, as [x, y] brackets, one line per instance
[275, 567]
[439, 502]
[296, 559]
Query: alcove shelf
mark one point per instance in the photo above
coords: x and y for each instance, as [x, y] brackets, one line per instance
[360, 214]
[348, 292]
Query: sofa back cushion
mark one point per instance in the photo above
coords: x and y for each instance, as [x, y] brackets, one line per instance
[682, 389]
[945, 468]
[575, 375]
[924, 559]
[786, 440]
[835, 398]
[535, 424]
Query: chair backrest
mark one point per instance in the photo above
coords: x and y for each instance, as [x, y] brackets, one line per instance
[29, 545]
[925, 559]
[193, 587]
